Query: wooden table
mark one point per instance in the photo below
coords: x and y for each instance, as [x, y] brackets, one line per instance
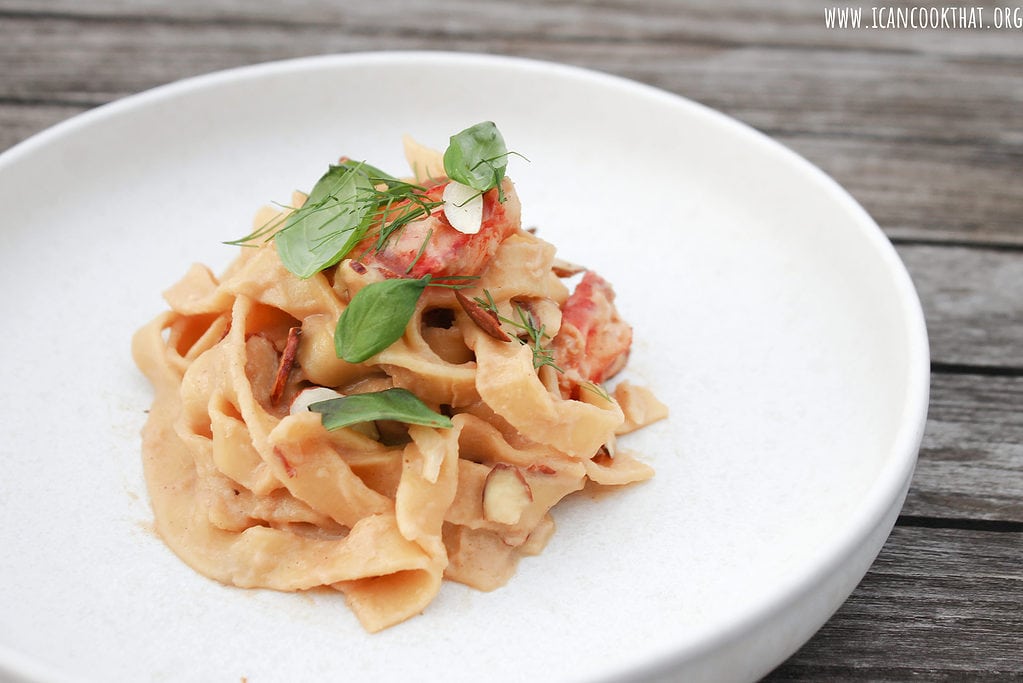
[924, 127]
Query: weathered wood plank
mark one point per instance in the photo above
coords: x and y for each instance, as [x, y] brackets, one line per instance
[930, 143]
[972, 300]
[927, 191]
[937, 604]
[971, 458]
[782, 23]
[866, 95]
[781, 88]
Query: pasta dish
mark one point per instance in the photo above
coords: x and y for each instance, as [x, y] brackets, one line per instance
[391, 385]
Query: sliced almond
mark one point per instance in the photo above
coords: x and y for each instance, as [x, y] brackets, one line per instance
[284, 367]
[463, 207]
[563, 268]
[485, 319]
[506, 494]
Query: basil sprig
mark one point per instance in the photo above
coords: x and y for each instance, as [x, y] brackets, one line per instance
[477, 157]
[352, 198]
[347, 201]
[390, 404]
[328, 225]
[376, 317]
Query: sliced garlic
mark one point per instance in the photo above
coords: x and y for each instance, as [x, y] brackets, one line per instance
[463, 207]
[307, 397]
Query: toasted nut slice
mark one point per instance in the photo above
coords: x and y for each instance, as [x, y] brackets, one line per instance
[563, 268]
[284, 367]
[506, 494]
[485, 319]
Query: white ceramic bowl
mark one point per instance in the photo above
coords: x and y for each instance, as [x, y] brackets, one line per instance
[770, 314]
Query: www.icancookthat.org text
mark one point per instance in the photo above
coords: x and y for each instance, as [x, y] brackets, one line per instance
[924, 17]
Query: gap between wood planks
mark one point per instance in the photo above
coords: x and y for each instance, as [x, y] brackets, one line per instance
[995, 525]
[986, 245]
[942, 368]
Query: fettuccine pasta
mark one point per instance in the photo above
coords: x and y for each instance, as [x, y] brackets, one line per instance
[251, 486]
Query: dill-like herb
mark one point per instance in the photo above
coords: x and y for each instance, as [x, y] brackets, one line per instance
[350, 201]
[535, 336]
[266, 229]
[353, 201]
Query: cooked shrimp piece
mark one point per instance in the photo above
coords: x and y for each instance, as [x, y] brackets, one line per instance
[593, 342]
[432, 246]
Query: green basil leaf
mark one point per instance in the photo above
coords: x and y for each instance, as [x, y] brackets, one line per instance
[477, 157]
[331, 222]
[390, 404]
[376, 317]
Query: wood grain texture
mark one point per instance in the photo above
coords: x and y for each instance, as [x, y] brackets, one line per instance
[923, 127]
[971, 299]
[971, 460]
[937, 605]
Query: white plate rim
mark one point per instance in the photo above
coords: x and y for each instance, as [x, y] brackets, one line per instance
[876, 514]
